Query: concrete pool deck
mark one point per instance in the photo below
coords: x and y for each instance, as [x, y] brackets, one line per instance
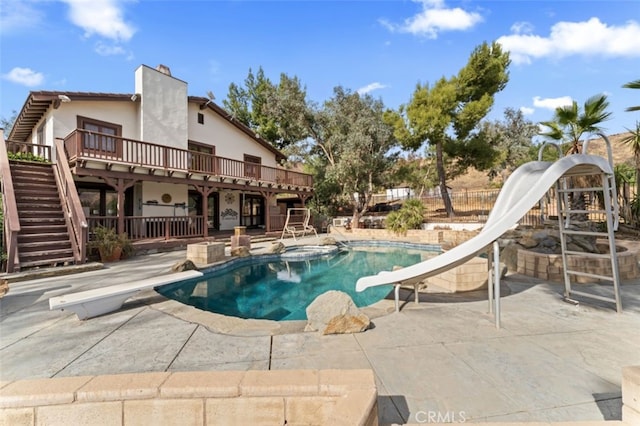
[551, 361]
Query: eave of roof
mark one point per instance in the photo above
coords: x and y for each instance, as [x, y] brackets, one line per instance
[38, 103]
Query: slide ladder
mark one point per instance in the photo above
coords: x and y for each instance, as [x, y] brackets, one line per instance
[565, 214]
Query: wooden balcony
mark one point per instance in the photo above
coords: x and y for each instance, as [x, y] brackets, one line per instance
[84, 147]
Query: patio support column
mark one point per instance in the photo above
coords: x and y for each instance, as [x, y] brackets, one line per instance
[120, 185]
[205, 191]
[268, 195]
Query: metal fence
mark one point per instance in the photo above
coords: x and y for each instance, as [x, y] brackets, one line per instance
[474, 206]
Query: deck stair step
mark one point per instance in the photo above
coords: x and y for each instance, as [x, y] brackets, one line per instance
[47, 263]
[44, 240]
[45, 245]
[39, 237]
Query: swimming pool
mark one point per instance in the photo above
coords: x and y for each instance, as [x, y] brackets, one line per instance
[281, 287]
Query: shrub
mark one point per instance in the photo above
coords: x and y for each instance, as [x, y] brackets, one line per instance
[26, 156]
[410, 216]
[107, 241]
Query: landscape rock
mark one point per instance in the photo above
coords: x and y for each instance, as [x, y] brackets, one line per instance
[276, 248]
[184, 265]
[328, 241]
[334, 312]
[509, 256]
[240, 251]
[528, 242]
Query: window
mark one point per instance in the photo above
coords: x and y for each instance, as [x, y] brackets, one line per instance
[200, 118]
[252, 166]
[40, 135]
[201, 156]
[97, 140]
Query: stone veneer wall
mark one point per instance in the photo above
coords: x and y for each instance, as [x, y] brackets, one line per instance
[309, 397]
[472, 275]
[549, 266]
[445, 237]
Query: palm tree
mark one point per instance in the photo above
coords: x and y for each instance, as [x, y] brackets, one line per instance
[632, 140]
[568, 125]
[569, 122]
[633, 85]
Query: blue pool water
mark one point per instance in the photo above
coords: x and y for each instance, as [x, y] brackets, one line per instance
[281, 288]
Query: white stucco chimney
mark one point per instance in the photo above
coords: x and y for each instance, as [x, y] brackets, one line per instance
[163, 107]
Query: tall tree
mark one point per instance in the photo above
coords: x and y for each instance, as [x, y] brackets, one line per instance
[7, 123]
[446, 115]
[350, 143]
[512, 139]
[633, 85]
[277, 112]
[632, 140]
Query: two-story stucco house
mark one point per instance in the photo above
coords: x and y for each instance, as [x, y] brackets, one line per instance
[158, 163]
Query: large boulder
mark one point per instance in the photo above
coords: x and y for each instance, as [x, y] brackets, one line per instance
[334, 312]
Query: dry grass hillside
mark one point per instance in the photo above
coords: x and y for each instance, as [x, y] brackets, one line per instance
[475, 180]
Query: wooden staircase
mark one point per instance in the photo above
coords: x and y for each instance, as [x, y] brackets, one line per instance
[44, 239]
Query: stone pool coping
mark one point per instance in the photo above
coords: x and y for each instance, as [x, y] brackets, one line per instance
[332, 397]
[235, 326]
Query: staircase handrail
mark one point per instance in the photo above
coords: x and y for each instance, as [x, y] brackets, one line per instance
[11, 219]
[72, 206]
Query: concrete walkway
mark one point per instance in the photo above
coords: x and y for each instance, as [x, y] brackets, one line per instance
[441, 359]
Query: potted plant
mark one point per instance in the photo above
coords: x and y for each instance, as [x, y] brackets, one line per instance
[110, 244]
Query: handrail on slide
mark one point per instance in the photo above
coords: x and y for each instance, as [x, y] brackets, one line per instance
[612, 184]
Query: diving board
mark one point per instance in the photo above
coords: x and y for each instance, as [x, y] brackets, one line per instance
[99, 301]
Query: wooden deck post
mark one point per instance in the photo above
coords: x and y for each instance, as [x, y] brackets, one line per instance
[205, 191]
[120, 185]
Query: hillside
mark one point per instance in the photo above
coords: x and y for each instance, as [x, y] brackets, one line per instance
[476, 180]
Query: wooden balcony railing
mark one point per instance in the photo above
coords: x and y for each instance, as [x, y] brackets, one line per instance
[152, 227]
[42, 152]
[86, 145]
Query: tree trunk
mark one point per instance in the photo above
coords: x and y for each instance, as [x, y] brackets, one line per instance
[442, 178]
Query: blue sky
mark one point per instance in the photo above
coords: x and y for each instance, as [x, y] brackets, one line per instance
[561, 50]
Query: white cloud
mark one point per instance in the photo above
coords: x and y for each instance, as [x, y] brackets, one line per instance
[522, 27]
[16, 15]
[104, 49]
[25, 76]
[370, 88]
[527, 110]
[101, 17]
[552, 103]
[434, 18]
[586, 38]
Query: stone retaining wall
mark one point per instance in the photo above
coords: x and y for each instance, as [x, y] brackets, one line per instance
[309, 397]
[446, 237]
[549, 266]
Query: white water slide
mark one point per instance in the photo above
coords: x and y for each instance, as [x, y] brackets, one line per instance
[522, 191]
